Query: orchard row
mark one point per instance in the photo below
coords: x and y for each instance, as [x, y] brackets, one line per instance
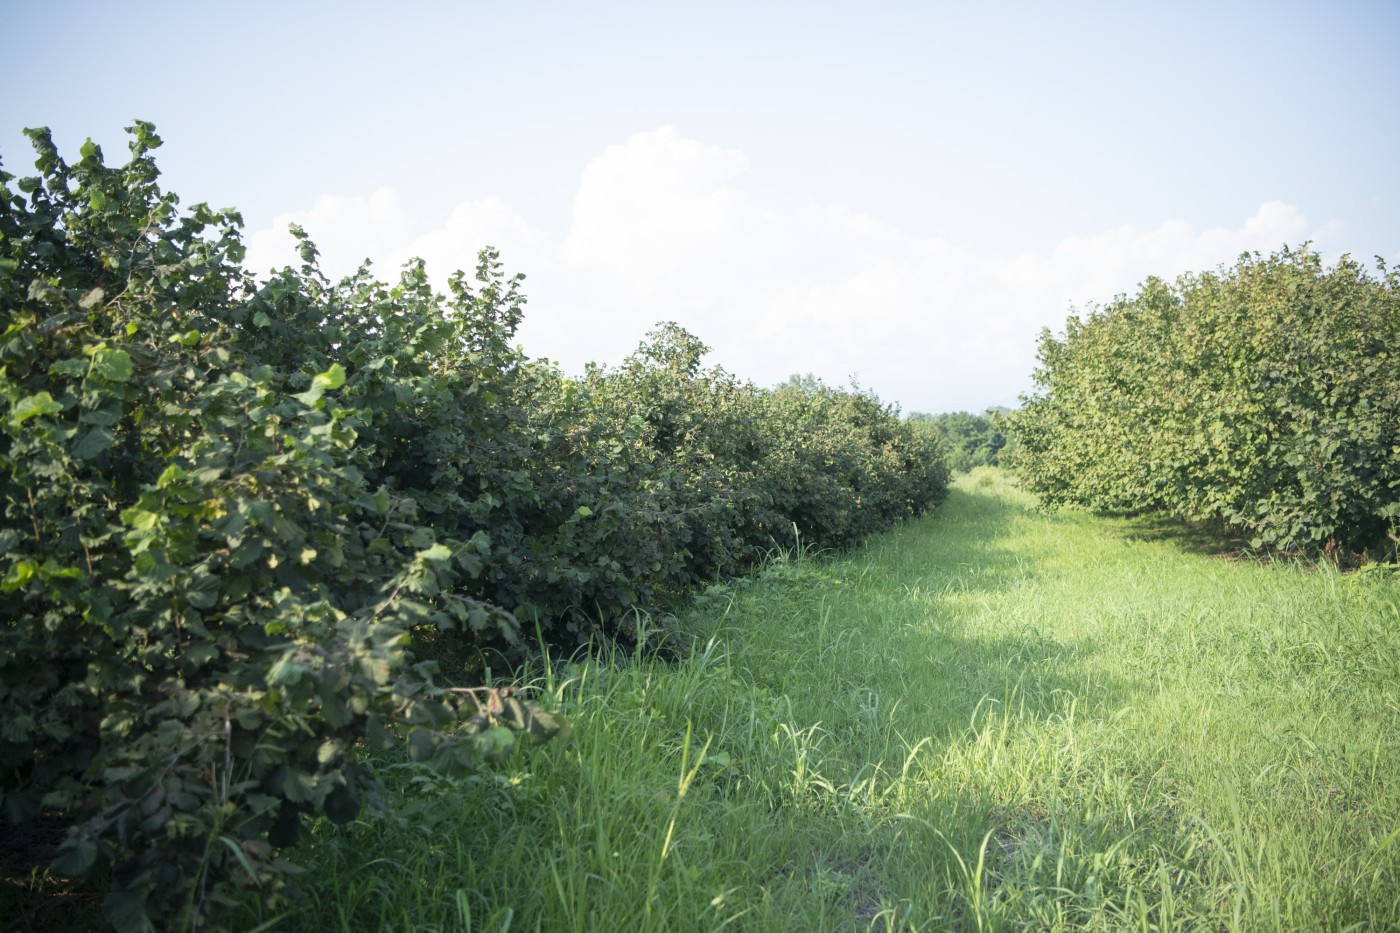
[241, 516]
[1264, 398]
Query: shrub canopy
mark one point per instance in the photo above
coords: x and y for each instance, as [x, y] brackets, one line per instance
[240, 515]
[1265, 397]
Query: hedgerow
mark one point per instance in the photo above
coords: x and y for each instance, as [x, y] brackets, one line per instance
[242, 518]
[1264, 397]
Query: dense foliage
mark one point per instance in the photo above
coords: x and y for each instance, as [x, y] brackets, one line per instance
[240, 515]
[1265, 397]
[969, 440]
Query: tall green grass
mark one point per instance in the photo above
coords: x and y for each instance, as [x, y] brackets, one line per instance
[990, 719]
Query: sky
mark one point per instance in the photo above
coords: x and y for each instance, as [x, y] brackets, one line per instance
[900, 193]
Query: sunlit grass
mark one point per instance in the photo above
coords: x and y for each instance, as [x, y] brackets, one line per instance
[989, 719]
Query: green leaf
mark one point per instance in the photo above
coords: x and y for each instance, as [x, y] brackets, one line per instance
[75, 856]
[332, 378]
[40, 403]
[421, 745]
[298, 786]
[204, 598]
[92, 443]
[139, 518]
[170, 475]
[112, 364]
[91, 300]
[496, 743]
[436, 552]
[286, 671]
[74, 367]
[18, 575]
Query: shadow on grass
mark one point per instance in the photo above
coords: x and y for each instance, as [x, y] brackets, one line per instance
[974, 682]
[976, 629]
[1210, 539]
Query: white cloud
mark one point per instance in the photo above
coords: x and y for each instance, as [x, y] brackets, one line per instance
[348, 230]
[656, 207]
[474, 225]
[662, 229]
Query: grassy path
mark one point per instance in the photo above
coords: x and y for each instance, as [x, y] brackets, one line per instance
[989, 719]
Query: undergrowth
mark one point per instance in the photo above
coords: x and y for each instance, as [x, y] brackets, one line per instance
[988, 719]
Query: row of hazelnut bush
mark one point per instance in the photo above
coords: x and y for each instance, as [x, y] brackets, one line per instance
[1264, 398]
[242, 514]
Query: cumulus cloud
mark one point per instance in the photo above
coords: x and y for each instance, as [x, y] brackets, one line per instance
[349, 230]
[655, 208]
[346, 230]
[663, 229]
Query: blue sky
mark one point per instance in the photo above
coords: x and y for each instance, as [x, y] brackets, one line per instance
[905, 192]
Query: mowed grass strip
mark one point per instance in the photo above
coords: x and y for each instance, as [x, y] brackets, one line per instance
[991, 718]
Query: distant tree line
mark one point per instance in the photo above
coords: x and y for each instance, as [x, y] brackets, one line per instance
[968, 440]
